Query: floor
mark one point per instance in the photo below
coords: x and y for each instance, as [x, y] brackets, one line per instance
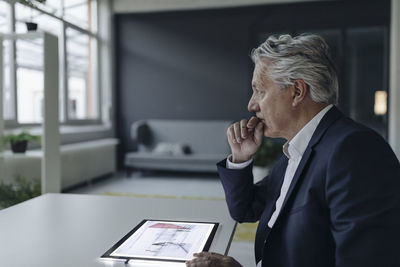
[178, 185]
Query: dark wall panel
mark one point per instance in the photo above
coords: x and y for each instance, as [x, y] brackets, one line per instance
[195, 64]
[181, 66]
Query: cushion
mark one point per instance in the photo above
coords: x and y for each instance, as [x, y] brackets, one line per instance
[174, 149]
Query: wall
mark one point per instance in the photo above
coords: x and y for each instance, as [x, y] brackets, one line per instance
[196, 65]
[187, 65]
[129, 6]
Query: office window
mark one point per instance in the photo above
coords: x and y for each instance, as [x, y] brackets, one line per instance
[5, 28]
[24, 14]
[82, 96]
[29, 80]
[45, 22]
[74, 22]
[53, 6]
[82, 13]
[7, 92]
[4, 17]
[29, 68]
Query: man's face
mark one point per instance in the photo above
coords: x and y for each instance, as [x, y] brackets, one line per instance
[272, 105]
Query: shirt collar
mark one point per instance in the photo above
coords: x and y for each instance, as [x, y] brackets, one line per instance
[295, 148]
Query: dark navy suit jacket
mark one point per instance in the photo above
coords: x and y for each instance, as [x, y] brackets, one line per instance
[342, 208]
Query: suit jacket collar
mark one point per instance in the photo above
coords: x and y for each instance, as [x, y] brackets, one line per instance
[296, 147]
[330, 117]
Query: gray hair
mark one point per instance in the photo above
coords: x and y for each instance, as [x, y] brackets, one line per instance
[303, 57]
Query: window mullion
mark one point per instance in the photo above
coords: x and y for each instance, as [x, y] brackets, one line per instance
[105, 61]
[64, 68]
[64, 74]
[99, 86]
[13, 66]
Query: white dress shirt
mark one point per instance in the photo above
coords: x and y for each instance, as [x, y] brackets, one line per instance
[294, 150]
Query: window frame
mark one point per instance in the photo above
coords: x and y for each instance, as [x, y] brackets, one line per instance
[63, 65]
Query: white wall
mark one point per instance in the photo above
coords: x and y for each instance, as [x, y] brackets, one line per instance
[136, 6]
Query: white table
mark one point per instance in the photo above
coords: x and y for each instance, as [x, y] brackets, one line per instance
[57, 230]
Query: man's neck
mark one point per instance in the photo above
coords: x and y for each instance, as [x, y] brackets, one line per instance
[304, 115]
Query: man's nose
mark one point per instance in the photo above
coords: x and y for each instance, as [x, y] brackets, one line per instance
[253, 105]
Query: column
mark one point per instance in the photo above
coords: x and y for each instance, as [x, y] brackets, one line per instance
[394, 90]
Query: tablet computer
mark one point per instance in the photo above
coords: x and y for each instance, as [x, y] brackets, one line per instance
[163, 240]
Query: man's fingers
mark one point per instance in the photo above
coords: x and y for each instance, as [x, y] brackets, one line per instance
[200, 254]
[211, 259]
[252, 123]
[212, 254]
[206, 259]
[236, 129]
[216, 254]
[200, 259]
[243, 128]
[259, 133]
[231, 135]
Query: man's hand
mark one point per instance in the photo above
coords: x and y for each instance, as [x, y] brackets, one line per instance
[207, 259]
[244, 138]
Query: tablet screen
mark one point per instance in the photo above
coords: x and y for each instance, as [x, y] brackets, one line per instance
[164, 240]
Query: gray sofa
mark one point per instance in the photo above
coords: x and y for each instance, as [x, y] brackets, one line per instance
[178, 145]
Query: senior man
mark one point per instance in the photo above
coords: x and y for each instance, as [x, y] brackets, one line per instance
[333, 198]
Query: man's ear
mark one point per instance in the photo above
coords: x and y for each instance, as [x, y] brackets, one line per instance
[300, 90]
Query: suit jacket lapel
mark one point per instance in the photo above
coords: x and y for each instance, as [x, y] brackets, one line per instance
[331, 116]
[263, 232]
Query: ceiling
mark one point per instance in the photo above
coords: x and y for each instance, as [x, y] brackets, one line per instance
[142, 6]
